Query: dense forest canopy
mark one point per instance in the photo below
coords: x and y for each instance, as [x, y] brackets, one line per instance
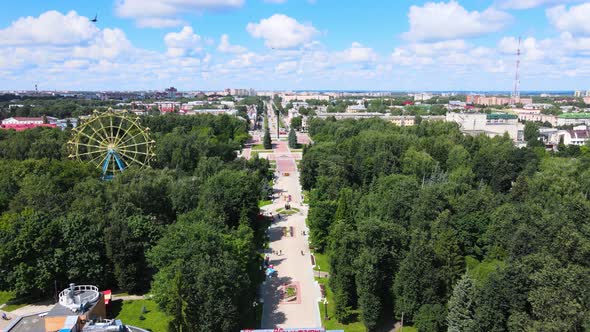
[454, 232]
[196, 208]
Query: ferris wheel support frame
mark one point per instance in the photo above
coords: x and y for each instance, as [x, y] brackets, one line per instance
[113, 141]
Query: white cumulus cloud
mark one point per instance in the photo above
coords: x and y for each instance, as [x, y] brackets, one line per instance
[110, 43]
[286, 67]
[449, 20]
[164, 13]
[183, 43]
[576, 19]
[158, 22]
[226, 47]
[527, 4]
[358, 53]
[50, 28]
[530, 48]
[282, 31]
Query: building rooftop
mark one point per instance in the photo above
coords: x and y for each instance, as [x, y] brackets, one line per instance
[574, 116]
[498, 116]
[32, 323]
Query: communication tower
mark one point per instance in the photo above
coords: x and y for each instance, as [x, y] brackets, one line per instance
[515, 96]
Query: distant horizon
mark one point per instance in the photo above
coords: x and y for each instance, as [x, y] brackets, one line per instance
[522, 92]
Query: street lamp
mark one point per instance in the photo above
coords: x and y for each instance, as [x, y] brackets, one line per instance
[318, 267]
[325, 309]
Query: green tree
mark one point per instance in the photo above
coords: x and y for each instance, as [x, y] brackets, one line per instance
[83, 248]
[417, 281]
[431, 318]
[368, 287]
[448, 253]
[229, 194]
[293, 139]
[458, 157]
[560, 298]
[210, 290]
[418, 163]
[266, 140]
[531, 134]
[461, 316]
[343, 250]
[296, 122]
[30, 253]
[320, 219]
[127, 256]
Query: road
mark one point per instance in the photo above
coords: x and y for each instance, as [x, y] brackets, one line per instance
[289, 249]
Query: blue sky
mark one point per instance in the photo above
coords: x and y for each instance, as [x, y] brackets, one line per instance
[294, 44]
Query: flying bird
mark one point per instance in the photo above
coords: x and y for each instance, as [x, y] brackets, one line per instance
[95, 19]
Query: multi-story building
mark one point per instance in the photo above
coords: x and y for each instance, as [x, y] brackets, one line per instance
[171, 92]
[265, 93]
[356, 108]
[535, 115]
[422, 96]
[168, 106]
[587, 100]
[495, 100]
[299, 97]
[495, 124]
[229, 104]
[579, 135]
[240, 92]
[400, 120]
[23, 123]
[213, 111]
[568, 119]
[456, 105]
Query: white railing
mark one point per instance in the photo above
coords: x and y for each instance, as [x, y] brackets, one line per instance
[73, 301]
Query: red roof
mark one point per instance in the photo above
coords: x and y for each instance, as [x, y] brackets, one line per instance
[21, 127]
[20, 118]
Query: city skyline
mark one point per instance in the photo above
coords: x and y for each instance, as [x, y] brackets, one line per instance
[294, 45]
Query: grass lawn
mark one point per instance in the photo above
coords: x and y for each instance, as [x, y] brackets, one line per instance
[6, 296]
[12, 307]
[264, 203]
[289, 212]
[331, 323]
[129, 312]
[260, 148]
[322, 261]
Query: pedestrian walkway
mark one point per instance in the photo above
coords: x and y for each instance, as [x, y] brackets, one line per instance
[289, 254]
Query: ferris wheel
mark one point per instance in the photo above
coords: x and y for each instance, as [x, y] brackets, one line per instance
[113, 142]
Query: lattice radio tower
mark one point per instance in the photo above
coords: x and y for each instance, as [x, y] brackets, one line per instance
[515, 96]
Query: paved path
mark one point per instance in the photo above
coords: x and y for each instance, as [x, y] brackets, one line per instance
[28, 310]
[294, 268]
